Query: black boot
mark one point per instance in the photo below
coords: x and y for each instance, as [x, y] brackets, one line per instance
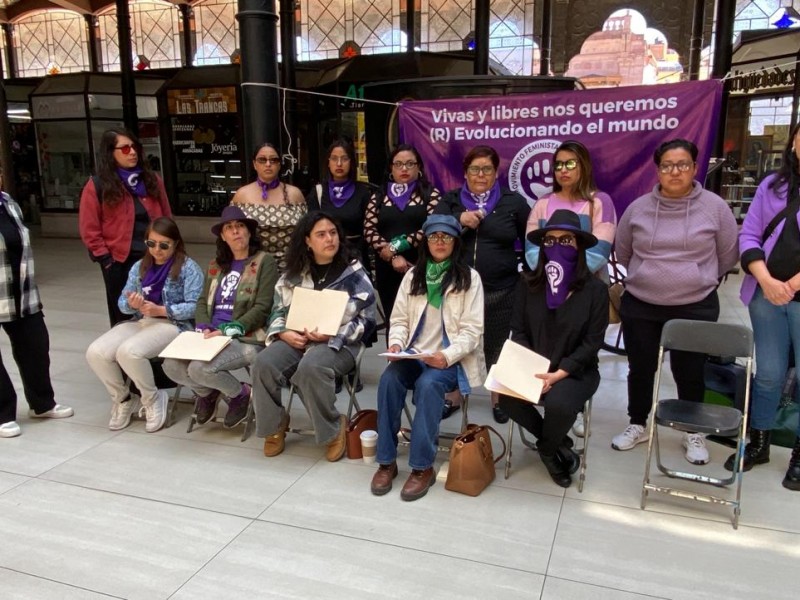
[569, 458]
[555, 467]
[755, 453]
[792, 479]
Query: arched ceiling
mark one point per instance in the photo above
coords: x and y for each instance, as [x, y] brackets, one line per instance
[11, 9]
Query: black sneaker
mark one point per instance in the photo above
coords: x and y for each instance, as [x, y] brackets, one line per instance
[204, 407]
[237, 408]
[500, 416]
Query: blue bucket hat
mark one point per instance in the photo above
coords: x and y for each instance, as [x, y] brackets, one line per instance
[443, 224]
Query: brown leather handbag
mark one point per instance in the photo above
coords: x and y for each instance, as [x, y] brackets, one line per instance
[472, 461]
[363, 420]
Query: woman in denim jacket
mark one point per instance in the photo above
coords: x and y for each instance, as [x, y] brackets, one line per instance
[161, 293]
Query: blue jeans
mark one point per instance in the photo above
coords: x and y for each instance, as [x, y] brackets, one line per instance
[776, 329]
[429, 385]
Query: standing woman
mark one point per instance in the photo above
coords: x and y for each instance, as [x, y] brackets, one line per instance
[23, 321]
[116, 208]
[677, 242]
[342, 197]
[394, 218]
[494, 220]
[770, 247]
[276, 206]
[161, 294]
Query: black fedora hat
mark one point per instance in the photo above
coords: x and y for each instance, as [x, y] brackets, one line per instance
[564, 220]
[233, 213]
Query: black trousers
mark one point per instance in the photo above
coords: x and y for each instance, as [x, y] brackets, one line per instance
[30, 346]
[641, 327]
[114, 278]
[561, 406]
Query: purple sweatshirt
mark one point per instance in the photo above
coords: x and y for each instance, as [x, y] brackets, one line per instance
[766, 204]
[675, 250]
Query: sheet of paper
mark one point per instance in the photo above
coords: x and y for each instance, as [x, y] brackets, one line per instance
[317, 309]
[191, 345]
[515, 370]
[406, 354]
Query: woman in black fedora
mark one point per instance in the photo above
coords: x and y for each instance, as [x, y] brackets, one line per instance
[561, 312]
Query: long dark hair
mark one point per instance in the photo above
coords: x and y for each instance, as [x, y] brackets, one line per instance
[111, 184]
[424, 186]
[586, 186]
[348, 148]
[789, 172]
[458, 276]
[537, 278]
[169, 229]
[298, 255]
[224, 256]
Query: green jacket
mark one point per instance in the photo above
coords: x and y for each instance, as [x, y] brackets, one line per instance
[254, 295]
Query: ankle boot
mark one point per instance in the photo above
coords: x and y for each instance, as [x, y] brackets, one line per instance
[755, 453]
[556, 469]
[792, 479]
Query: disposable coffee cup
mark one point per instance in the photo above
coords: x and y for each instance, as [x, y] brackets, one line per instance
[369, 445]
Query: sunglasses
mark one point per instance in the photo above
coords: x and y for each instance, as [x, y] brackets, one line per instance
[161, 245]
[441, 238]
[273, 160]
[565, 240]
[569, 165]
[126, 149]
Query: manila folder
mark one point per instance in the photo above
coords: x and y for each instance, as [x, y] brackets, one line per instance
[317, 309]
[192, 345]
[514, 373]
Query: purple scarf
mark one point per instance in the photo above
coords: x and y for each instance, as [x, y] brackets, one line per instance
[487, 201]
[560, 272]
[153, 280]
[400, 193]
[132, 180]
[340, 191]
[267, 186]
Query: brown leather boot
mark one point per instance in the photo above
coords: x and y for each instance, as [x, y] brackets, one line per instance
[275, 443]
[338, 445]
[382, 480]
[417, 484]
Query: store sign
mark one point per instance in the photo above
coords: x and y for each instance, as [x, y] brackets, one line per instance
[201, 136]
[621, 127]
[202, 101]
[765, 79]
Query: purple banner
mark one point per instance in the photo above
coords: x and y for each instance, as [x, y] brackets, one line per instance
[621, 127]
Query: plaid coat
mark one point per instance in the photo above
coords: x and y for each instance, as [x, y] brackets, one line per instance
[29, 303]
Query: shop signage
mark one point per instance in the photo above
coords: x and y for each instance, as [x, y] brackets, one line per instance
[768, 79]
[206, 136]
[201, 101]
[621, 127]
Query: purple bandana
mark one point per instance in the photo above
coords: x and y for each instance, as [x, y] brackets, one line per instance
[487, 201]
[267, 186]
[560, 271]
[340, 191]
[132, 180]
[400, 193]
[153, 280]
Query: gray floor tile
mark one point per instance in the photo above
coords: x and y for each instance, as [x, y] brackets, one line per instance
[9, 481]
[19, 586]
[561, 589]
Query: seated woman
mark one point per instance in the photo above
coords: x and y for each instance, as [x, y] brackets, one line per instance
[317, 258]
[438, 311]
[560, 312]
[236, 300]
[161, 294]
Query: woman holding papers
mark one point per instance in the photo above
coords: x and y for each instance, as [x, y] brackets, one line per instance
[236, 300]
[438, 313]
[560, 312]
[161, 294]
[317, 259]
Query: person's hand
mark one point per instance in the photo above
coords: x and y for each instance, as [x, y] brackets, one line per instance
[437, 361]
[385, 251]
[296, 340]
[315, 337]
[151, 309]
[394, 349]
[470, 218]
[135, 300]
[400, 264]
[106, 261]
[777, 292]
[550, 379]
[208, 333]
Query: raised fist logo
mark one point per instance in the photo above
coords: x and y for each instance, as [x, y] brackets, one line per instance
[531, 170]
[555, 275]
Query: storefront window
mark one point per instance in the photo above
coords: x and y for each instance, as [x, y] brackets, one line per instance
[64, 161]
[49, 42]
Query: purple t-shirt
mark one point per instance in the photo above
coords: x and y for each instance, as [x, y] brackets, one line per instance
[225, 295]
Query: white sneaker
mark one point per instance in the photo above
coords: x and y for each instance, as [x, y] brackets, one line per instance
[633, 435]
[121, 413]
[696, 451]
[155, 413]
[59, 411]
[9, 430]
[579, 428]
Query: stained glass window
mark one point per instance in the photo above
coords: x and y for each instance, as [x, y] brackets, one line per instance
[511, 35]
[445, 24]
[761, 14]
[51, 41]
[216, 31]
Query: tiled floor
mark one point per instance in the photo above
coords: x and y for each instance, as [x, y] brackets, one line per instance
[89, 513]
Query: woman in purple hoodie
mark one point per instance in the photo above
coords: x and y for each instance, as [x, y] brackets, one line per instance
[676, 243]
[770, 247]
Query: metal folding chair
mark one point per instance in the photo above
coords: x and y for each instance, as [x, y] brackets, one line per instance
[404, 435]
[682, 415]
[583, 451]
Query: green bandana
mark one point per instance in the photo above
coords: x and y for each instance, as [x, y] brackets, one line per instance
[434, 273]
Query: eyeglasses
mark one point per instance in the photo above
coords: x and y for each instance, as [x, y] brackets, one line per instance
[339, 160]
[441, 238]
[273, 160]
[667, 168]
[486, 169]
[565, 240]
[409, 164]
[161, 245]
[126, 149]
[569, 165]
